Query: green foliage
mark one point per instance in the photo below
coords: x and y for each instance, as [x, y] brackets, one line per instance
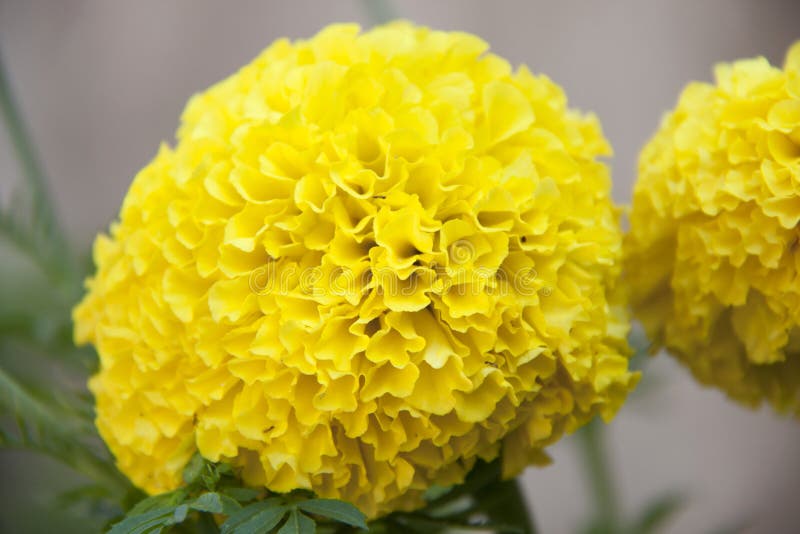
[44, 406]
[215, 503]
[655, 516]
[242, 495]
[157, 513]
[379, 11]
[214, 491]
[298, 523]
[484, 503]
[151, 522]
[29, 219]
[608, 518]
[262, 516]
[35, 318]
[42, 425]
[333, 509]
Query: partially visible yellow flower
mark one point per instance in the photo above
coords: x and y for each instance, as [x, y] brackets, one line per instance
[713, 255]
[371, 259]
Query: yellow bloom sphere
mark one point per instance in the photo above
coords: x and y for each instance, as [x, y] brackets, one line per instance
[713, 254]
[370, 259]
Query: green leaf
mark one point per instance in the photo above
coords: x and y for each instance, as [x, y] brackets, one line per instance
[657, 514]
[179, 515]
[230, 506]
[223, 469]
[209, 477]
[208, 502]
[200, 471]
[483, 474]
[242, 494]
[503, 503]
[214, 503]
[193, 469]
[340, 511]
[154, 513]
[298, 523]
[256, 518]
[43, 426]
[150, 522]
[435, 492]
[162, 500]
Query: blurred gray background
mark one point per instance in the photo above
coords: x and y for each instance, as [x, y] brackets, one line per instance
[102, 83]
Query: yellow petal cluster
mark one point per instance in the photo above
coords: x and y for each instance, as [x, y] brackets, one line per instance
[713, 255]
[371, 259]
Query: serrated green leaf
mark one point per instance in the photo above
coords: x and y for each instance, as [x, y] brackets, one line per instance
[257, 518]
[150, 522]
[340, 511]
[298, 523]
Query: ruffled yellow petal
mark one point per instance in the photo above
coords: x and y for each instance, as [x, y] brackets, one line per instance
[712, 259]
[370, 259]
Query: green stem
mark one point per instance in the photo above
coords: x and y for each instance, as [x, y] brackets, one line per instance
[506, 504]
[58, 259]
[379, 11]
[20, 139]
[524, 510]
[601, 481]
[502, 500]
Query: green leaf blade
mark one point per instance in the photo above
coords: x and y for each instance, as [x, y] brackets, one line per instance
[215, 503]
[162, 500]
[208, 502]
[340, 511]
[257, 518]
[242, 495]
[146, 523]
[179, 515]
[45, 427]
[298, 523]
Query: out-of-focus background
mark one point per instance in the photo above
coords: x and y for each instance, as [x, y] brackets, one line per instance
[102, 83]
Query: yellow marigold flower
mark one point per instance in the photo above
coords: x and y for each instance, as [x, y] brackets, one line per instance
[712, 258]
[371, 259]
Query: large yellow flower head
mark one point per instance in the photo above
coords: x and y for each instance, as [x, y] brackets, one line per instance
[713, 255]
[371, 259]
